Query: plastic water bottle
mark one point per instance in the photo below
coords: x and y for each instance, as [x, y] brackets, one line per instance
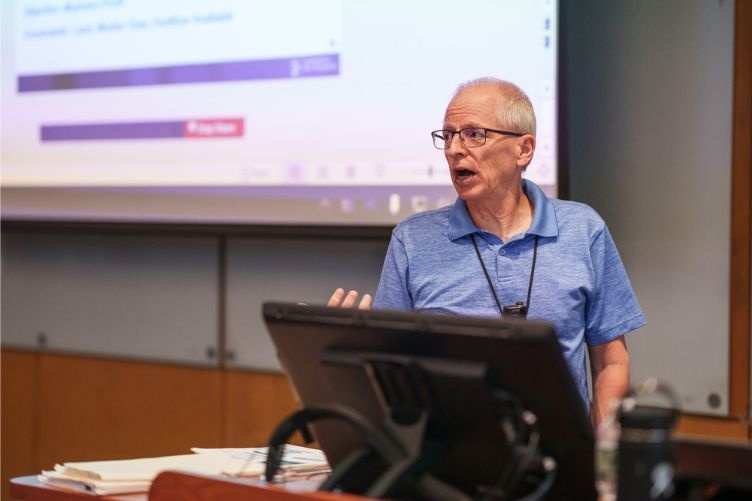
[606, 455]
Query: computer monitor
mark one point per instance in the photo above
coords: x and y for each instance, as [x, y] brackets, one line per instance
[482, 383]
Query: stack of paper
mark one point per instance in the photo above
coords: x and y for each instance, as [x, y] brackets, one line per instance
[296, 460]
[136, 475]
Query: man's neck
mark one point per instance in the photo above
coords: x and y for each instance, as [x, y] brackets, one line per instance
[506, 216]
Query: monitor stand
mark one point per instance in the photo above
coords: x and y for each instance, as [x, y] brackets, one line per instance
[447, 433]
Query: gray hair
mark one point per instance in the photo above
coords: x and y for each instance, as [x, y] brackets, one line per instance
[516, 111]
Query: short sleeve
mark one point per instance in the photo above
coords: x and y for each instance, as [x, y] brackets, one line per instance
[392, 292]
[612, 309]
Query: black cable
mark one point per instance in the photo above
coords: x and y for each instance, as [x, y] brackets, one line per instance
[532, 273]
[488, 277]
[378, 441]
[544, 486]
[527, 459]
[490, 283]
[528, 452]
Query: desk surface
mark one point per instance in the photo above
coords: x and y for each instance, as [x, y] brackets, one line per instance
[169, 486]
[699, 461]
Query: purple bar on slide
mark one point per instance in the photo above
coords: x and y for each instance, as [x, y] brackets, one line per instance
[133, 130]
[289, 67]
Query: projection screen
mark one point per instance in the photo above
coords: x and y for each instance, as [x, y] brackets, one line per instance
[282, 112]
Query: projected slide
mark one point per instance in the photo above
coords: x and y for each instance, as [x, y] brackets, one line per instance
[219, 41]
[290, 111]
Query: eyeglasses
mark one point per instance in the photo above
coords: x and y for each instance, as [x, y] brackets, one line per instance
[471, 137]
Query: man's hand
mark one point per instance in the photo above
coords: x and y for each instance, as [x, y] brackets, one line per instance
[342, 300]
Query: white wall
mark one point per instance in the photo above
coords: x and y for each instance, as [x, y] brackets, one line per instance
[650, 93]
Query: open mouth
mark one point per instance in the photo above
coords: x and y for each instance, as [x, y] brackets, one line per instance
[461, 175]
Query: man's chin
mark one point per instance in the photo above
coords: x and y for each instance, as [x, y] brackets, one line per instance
[466, 193]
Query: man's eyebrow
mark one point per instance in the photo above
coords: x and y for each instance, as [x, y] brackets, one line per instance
[471, 125]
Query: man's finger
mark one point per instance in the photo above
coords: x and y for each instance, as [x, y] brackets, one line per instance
[350, 299]
[365, 303]
[336, 298]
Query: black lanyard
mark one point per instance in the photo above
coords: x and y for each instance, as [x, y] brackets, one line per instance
[490, 283]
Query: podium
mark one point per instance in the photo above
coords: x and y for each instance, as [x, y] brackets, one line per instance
[176, 486]
[173, 486]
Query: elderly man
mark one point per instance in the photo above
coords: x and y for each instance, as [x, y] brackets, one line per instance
[504, 248]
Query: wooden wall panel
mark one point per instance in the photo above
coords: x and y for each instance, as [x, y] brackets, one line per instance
[713, 428]
[255, 403]
[741, 218]
[19, 415]
[58, 408]
[106, 409]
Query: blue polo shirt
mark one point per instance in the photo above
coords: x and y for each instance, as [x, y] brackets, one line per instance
[580, 284]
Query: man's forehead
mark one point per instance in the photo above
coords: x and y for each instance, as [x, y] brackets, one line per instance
[468, 106]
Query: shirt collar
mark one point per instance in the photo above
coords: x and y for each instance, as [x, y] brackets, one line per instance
[544, 217]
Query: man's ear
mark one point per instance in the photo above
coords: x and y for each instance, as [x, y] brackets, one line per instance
[527, 148]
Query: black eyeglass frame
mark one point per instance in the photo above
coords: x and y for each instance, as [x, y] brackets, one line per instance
[435, 135]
